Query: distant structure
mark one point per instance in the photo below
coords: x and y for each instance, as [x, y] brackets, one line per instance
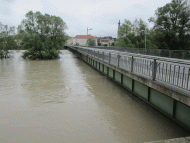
[118, 29]
[81, 40]
[107, 40]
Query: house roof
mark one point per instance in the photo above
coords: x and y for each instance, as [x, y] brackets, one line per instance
[104, 40]
[84, 37]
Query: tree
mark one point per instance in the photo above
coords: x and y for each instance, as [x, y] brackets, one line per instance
[172, 25]
[125, 32]
[91, 42]
[42, 35]
[140, 30]
[7, 40]
[99, 44]
[132, 35]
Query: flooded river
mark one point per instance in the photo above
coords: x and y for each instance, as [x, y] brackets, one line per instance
[66, 100]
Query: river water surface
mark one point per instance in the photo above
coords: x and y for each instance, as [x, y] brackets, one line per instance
[66, 100]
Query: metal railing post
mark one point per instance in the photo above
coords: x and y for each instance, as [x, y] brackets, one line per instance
[103, 55]
[188, 79]
[118, 58]
[109, 57]
[154, 68]
[132, 61]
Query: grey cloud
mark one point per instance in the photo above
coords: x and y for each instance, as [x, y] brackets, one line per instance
[5, 7]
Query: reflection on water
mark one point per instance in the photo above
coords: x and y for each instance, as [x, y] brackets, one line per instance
[66, 100]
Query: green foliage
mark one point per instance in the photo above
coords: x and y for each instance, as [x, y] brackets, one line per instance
[105, 45]
[124, 42]
[172, 26]
[77, 44]
[171, 29]
[42, 35]
[132, 35]
[7, 40]
[91, 42]
[99, 44]
[113, 44]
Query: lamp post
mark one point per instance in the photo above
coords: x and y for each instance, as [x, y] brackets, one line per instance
[87, 34]
[76, 40]
[145, 36]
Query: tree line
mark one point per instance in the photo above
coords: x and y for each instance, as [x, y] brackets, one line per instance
[42, 36]
[7, 40]
[171, 29]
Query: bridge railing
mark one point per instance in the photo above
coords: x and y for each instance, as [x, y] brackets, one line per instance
[154, 52]
[175, 74]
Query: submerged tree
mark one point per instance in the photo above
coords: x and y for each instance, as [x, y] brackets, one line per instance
[7, 41]
[42, 35]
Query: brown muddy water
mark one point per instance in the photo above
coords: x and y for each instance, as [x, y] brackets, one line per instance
[67, 101]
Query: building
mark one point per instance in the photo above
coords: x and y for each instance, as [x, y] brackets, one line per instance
[82, 40]
[70, 41]
[106, 40]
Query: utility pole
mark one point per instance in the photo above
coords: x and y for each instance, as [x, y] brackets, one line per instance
[145, 38]
[87, 34]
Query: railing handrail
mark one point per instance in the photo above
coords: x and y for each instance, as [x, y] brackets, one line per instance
[172, 60]
[167, 70]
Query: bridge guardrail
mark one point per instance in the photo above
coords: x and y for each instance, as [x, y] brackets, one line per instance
[175, 74]
[154, 52]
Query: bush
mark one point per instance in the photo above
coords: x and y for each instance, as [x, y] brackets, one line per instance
[99, 44]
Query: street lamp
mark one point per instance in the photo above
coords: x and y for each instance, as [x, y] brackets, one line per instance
[145, 36]
[87, 34]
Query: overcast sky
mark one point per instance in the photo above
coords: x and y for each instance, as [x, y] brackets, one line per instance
[100, 15]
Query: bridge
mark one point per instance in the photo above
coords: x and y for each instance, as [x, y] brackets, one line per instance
[163, 83]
